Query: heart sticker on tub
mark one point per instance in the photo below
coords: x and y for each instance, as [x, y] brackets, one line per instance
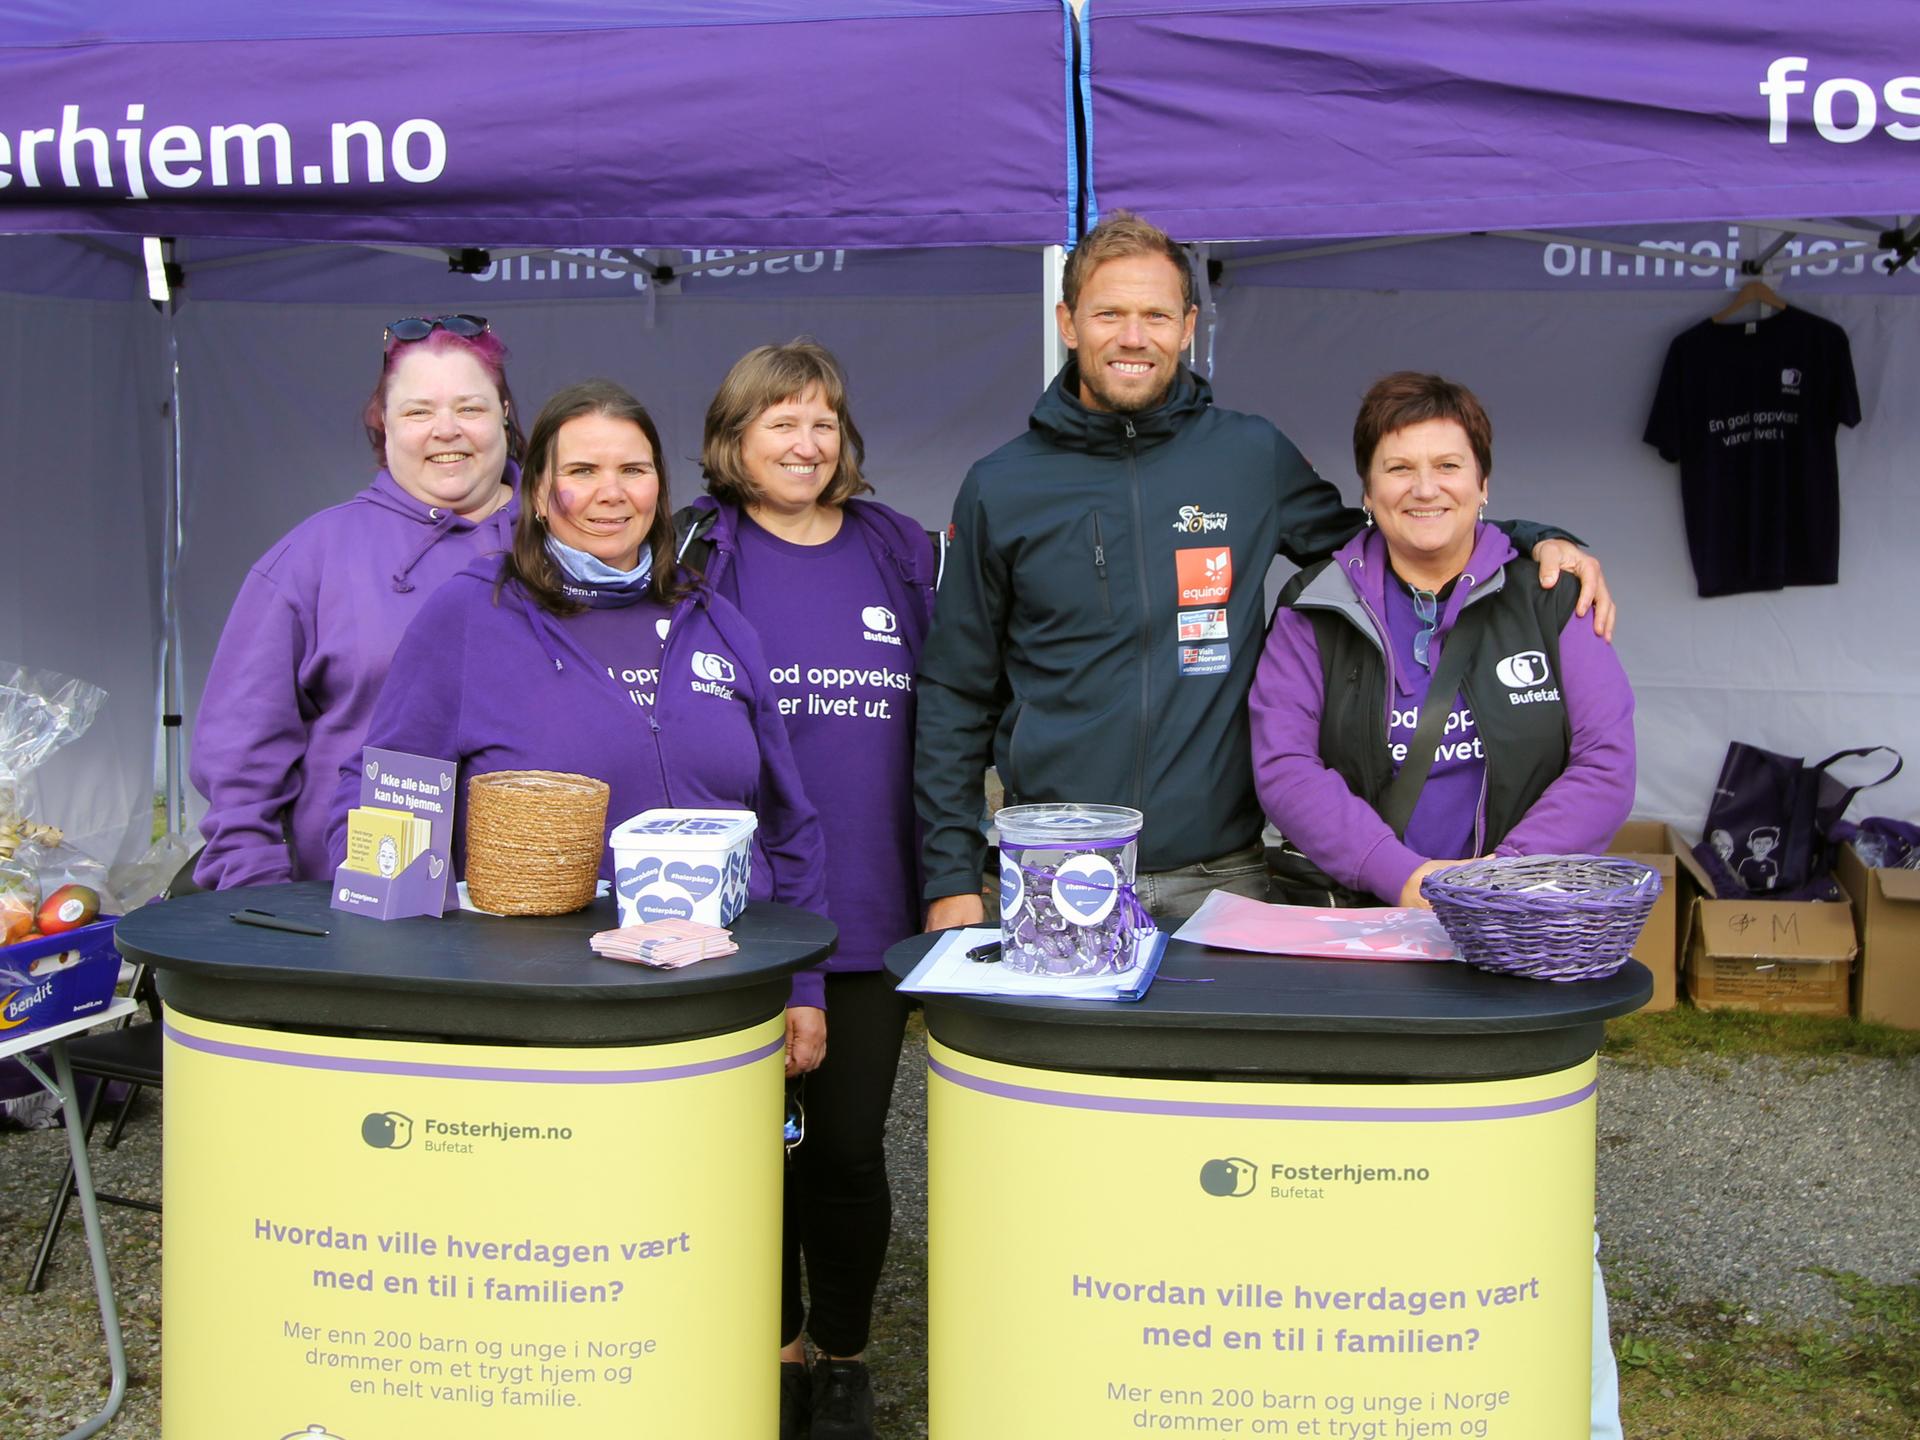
[446, 781]
[435, 865]
[630, 880]
[373, 769]
[699, 881]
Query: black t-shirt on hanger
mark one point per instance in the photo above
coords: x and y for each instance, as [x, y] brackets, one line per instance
[1750, 411]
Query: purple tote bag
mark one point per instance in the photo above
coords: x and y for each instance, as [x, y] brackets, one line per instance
[1771, 821]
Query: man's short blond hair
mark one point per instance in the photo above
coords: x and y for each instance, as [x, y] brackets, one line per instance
[1119, 235]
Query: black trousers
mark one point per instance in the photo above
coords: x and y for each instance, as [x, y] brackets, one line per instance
[838, 1205]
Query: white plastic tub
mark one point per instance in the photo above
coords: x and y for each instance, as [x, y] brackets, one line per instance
[683, 865]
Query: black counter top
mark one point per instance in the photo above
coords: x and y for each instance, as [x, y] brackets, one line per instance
[1230, 1014]
[464, 976]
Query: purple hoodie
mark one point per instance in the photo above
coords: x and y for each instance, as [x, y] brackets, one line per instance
[852, 742]
[300, 663]
[508, 686]
[1312, 804]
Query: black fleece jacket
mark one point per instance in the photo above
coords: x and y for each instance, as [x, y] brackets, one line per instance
[1080, 553]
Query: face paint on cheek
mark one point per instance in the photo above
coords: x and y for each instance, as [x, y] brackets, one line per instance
[568, 501]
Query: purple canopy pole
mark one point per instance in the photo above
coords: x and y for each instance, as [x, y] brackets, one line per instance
[542, 122]
[1264, 119]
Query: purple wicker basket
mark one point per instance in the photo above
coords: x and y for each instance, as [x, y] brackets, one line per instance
[1547, 917]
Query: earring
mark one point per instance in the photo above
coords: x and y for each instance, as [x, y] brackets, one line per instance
[1368, 511]
[1483, 510]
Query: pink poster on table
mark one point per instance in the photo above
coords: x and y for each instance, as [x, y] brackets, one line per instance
[1233, 922]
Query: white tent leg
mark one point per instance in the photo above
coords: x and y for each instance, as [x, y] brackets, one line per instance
[1053, 349]
[172, 690]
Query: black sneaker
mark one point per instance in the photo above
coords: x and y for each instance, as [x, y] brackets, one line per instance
[796, 1400]
[842, 1400]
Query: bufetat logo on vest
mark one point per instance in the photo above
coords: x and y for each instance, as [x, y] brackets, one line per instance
[1524, 674]
[878, 625]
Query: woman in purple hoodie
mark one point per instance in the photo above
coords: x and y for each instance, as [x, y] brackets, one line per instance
[1533, 753]
[840, 591]
[583, 649]
[313, 629]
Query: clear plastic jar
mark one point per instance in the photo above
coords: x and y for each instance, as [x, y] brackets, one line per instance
[1067, 905]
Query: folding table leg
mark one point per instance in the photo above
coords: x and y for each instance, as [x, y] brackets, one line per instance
[63, 1090]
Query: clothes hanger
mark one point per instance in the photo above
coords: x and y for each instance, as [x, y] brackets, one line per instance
[1754, 292]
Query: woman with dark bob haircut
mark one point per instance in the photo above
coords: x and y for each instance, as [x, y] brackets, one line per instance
[840, 590]
[585, 649]
[1530, 750]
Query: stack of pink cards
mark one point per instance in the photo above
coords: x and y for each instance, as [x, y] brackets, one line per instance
[664, 944]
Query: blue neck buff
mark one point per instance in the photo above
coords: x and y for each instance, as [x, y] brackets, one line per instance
[596, 584]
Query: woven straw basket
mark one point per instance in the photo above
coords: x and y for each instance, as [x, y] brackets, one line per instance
[534, 840]
[1547, 917]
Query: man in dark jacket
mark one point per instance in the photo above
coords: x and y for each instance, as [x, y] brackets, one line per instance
[1103, 604]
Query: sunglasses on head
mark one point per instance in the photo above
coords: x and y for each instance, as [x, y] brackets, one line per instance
[418, 327]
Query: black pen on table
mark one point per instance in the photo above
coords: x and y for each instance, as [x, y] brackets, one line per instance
[267, 921]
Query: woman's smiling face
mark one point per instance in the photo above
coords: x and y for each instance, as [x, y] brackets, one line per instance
[602, 489]
[1425, 490]
[446, 430]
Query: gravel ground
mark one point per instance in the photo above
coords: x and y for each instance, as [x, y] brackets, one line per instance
[1716, 1185]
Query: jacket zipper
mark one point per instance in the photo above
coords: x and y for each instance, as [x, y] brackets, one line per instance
[1146, 609]
[659, 688]
[1100, 566]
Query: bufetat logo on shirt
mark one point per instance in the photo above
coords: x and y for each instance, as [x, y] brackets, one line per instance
[1192, 520]
[878, 624]
[1790, 381]
[713, 674]
[1524, 674]
[1204, 575]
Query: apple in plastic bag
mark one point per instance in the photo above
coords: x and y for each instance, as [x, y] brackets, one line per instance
[68, 908]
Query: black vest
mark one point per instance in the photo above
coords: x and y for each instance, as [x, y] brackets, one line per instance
[1512, 687]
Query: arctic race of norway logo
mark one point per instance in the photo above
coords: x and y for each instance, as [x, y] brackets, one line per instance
[878, 625]
[1205, 576]
[1525, 675]
[1195, 521]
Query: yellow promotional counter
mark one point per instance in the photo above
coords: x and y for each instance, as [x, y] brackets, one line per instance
[462, 1177]
[1349, 1200]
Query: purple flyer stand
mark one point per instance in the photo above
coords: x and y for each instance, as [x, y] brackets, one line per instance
[416, 785]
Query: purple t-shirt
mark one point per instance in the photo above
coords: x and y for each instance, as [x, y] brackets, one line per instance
[627, 640]
[845, 683]
[1442, 827]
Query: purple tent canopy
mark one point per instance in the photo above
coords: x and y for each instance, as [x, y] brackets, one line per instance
[1267, 118]
[747, 123]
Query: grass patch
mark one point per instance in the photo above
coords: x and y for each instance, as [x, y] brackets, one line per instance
[1715, 1372]
[1684, 1035]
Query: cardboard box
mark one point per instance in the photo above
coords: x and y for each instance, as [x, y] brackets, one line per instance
[1786, 957]
[50, 979]
[1662, 938]
[1887, 905]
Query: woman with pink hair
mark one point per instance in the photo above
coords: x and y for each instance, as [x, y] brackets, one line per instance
[314, 627]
